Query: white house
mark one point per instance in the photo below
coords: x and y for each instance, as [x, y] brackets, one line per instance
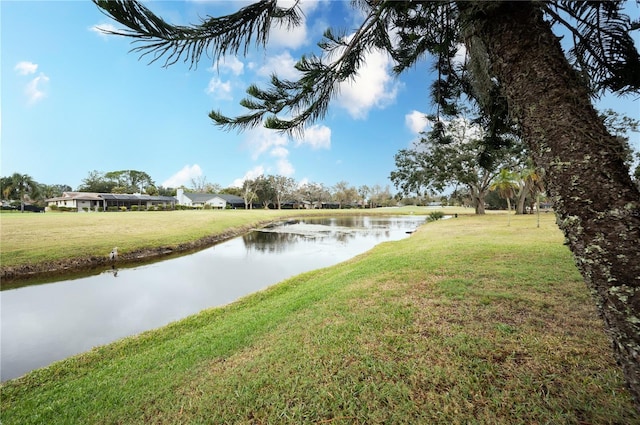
[88, 201]
[214, 200]
[78, 201]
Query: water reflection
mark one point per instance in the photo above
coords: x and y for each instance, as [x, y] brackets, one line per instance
[48, 322]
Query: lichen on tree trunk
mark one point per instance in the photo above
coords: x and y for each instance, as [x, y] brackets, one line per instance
[596, 202]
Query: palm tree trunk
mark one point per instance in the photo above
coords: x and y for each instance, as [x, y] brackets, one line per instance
[520, 200]
[522, 197]
[597, 204]
[538, 209]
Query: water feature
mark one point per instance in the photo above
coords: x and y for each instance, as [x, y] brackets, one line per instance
[52, 321]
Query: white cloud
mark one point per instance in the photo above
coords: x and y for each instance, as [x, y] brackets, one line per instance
[249, 175]
[98, 29]
[260, 140]
[279, 152]
[35, 89]
[372, 87]
[285, 168]
[229, 63]
[183, 176]
[289, 38]
[219, 89]
[282, 65]
[26, 68]
[316, 136]
[307, 6]
[292, 38]
[416, 121]
[264, 141]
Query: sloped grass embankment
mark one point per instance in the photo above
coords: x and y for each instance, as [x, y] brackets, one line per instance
[467, 321]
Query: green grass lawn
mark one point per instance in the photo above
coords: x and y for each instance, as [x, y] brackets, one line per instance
[468, 321]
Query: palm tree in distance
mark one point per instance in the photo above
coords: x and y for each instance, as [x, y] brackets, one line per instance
[24, 185]
[520, 77]
[505, 184]
[534, 186]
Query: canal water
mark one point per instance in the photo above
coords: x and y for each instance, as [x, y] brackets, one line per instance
[44, 323]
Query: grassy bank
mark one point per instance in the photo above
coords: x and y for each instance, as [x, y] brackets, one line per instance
[39, 238]
[467, 321]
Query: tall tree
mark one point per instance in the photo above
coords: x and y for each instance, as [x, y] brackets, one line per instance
[249, 194]
[363, 192]
[96, 182]
[264, 190]
[518, 68]
[621, 126]
[433, 165]
[315, 193]
[283, 187]
[381, 197]
[200, 184]
[123, 181]
[129, 181]
[166, 191]
[344, 194]
[236, 191]
[53, 190]
[599, 213]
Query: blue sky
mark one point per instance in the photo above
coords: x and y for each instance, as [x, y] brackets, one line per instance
[74, 100]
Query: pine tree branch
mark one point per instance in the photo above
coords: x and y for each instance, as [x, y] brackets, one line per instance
[217, 37]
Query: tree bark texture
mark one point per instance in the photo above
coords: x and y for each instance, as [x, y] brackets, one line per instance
[596, 202]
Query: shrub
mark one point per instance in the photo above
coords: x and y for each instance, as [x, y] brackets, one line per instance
[67, 209]
[435, 215]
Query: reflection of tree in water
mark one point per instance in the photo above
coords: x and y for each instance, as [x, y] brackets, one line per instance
[270, 241]
[283, 237]
[339, 221]
[363, 222]
[343, 237]
[276, 242]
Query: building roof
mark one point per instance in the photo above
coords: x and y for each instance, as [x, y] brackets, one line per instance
[79, 196]
[90, 196]
[198, 197]
[135, 197]
[232, 199]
